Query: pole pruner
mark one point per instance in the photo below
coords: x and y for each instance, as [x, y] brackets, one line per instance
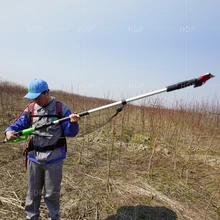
[196, 82]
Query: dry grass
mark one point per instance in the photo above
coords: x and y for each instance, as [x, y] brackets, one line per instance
[146, 164]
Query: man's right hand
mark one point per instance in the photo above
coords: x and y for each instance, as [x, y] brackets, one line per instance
[10, 135]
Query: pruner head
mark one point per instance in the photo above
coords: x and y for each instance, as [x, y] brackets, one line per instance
[202, 79]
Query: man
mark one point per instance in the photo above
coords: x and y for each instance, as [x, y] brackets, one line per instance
[47, 147]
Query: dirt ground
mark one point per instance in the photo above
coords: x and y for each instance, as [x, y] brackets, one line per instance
[107, 180]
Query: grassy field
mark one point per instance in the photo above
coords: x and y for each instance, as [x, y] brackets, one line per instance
[148, 163]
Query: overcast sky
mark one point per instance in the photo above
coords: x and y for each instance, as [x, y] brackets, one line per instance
[112, 49]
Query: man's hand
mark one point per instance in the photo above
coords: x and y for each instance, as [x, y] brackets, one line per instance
[10, 135]
[74, 118]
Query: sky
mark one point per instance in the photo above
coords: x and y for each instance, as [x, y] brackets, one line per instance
[113, 49]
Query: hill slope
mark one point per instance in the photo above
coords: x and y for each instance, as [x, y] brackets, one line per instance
[147, 163]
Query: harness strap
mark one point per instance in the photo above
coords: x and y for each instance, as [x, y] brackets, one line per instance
[60, 143]
[59, 109]
[31, 110]
[42, 149]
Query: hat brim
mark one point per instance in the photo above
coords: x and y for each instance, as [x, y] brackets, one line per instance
[31, 95]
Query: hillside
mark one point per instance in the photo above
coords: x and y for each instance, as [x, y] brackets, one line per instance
[148, 163]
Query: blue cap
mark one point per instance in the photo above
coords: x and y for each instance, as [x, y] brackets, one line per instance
[35, 88]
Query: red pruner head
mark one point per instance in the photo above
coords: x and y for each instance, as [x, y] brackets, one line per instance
[202, 79]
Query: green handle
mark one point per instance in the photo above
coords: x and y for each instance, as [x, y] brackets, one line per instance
[22, 135]
[16, 140]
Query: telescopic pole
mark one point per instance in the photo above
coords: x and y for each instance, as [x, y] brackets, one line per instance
[196, 82]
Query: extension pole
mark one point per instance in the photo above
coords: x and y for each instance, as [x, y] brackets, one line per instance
[196, 82]
[123, 102]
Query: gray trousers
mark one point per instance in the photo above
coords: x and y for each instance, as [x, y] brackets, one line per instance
[47, 177]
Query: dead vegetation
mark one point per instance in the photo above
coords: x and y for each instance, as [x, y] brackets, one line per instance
[146, 164]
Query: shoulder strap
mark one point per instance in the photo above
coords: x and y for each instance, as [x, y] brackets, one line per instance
[31, 110]
[31, 105]
[59, 109]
